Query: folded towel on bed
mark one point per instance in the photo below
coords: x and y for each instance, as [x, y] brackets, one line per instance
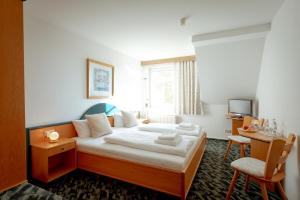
[186, 128]
[186, 125]
[158, 127]
[173, 142]
[196, 132]
[168, 136]
[146, 142]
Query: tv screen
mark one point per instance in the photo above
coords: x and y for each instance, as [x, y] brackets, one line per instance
[240, 106]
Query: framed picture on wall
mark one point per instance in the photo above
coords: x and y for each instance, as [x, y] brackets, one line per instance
[100, 79]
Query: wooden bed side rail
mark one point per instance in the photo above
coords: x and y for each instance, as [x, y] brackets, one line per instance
[168, 181]
[190, 171]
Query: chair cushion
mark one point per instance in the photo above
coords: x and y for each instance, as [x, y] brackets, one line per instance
[250, 166]
[240, 139]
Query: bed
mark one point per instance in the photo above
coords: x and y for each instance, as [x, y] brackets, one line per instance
[162, 172]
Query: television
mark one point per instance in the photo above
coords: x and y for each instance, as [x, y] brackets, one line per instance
[240, 106]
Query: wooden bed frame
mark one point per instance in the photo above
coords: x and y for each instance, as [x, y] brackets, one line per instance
[169, 181]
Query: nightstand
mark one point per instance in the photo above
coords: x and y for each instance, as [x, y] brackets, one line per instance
[52, 160]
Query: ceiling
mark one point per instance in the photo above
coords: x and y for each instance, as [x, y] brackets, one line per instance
[150, 29]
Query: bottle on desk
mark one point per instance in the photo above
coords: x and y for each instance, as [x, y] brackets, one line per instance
[266, 127]
[274, 127]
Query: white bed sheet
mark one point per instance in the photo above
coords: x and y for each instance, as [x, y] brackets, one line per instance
[98, 146]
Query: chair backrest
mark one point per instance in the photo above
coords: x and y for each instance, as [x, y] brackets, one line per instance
[247, 120]
[287, 149]
[274, 154]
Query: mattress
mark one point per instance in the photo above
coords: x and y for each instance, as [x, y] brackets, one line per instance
[98, 146]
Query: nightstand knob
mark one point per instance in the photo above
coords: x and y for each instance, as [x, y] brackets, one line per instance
[62, 148]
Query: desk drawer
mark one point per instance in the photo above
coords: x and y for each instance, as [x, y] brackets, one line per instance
[61, 148]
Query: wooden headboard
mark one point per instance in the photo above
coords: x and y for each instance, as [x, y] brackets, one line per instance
[66, 129]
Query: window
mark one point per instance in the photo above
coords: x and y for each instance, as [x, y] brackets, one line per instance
[162, 89]
[172, 89]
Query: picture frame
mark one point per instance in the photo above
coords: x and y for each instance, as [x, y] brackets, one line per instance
[100, 79]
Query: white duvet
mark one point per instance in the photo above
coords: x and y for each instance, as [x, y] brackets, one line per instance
[145, 141]
[169, 128]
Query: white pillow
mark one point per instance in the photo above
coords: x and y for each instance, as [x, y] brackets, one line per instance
[118, 120]
[129, 119]
[99, 124]
[82, 128]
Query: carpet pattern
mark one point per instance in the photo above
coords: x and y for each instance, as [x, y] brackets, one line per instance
[211, 182]
[27, 191]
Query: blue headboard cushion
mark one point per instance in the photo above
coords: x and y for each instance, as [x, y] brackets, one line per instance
[106, 108]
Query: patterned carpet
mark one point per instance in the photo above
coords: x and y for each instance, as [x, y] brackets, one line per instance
[211, 182]
[27, 191]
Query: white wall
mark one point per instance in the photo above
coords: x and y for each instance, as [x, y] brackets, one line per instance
[55, 74]
[226, 70]
[213, 121]
[229, 70]
[279, 83]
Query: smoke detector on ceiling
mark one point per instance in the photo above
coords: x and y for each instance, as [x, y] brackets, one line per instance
[183, 20]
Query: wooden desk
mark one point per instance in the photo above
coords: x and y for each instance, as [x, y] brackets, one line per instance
[259, 143]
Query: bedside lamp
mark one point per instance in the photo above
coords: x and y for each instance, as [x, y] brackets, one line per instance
[52, 136]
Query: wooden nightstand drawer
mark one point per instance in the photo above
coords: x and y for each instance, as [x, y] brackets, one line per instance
[61, 148]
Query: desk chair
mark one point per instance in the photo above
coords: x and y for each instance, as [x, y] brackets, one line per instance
[240, 140]
[271, 171]
[280, 167]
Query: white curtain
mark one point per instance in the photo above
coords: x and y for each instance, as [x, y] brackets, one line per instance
[188, 93]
